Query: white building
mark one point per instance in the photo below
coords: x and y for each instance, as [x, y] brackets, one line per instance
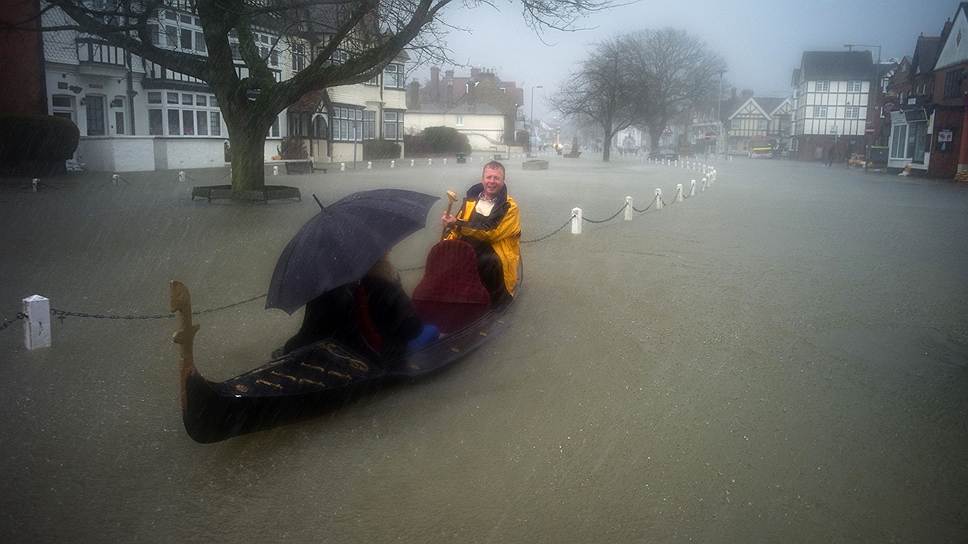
[134, 114]
[832, 91]
[483, 124]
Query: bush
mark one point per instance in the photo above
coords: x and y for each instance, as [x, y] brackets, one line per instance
[436, 141]
[33, 145]
[292, 148]
[374, 150]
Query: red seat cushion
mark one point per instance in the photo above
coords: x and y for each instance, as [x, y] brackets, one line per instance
[451, 294]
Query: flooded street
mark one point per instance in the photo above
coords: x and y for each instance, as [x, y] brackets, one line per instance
[783, 357]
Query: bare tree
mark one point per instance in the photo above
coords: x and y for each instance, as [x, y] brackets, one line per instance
[351, 41]
[603, 91]
[677, 73]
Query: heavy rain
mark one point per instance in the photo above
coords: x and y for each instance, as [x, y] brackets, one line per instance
[556, 271]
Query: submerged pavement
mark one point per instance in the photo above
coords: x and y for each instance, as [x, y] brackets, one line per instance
[783, 357]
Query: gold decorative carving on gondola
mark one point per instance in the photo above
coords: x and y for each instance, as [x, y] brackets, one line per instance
[281, 375]
[270, 384]
[241, 388]
[339, 374]
[314, 382]
[314, 367]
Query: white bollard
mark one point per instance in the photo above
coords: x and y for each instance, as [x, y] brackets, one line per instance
[628, 208]
[704, 183]
[692, 188]
[411, 163]
[342, 167]
[445, 161]
[679, 192]
[393, 164]
[37, 322]
[181, 176]
[430, 162]
[33, 184]
[576, 220]
[275, 170]
[369, 165]
[658, 198]
[115, 178]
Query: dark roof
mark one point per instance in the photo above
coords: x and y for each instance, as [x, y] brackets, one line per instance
[836, 65]
[768, 103]
[926, 54]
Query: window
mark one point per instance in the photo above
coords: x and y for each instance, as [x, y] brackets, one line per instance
[345, 123]
[174, 123]
[820, 111]
[153, 34]
[62, 105]
[852, 112]
[201, 100]
[188, 123]
[822, 86]
[155, 125]
[320, 128]
[119, 122]
[95, 115]
[274, 130]
[188, 99]
[171, 36]
[899, 141]
[369, 124]
[373, 81]
[215, 123]
[298, 57]
[186, 39]
[172, 98]
[952, 84]
[201, 124]
[916, 139]
[154, 97]
[392, 125]
[393, 76]
[200, 42]
[339, 56]
[854, 86]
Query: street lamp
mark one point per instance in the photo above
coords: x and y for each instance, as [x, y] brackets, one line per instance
[531, 137]
[719, 114]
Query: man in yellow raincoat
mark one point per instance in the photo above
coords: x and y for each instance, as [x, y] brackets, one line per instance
[489, 220]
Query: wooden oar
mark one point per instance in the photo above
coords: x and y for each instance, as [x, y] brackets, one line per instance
[451, 198]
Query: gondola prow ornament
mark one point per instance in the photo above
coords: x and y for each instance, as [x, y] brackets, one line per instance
[451, 198]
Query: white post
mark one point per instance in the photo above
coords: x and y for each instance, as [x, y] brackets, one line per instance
[275, 169]
[704, 183]
[393, 163]
[628, 208]
[576, 220]
[33, 184]
[679, 192]
[181, 176]
[692, 188]
[369, 165]
[342, 167]
[430, 162]
[658, 198]
[445, 161]
[37, 323]
[115, 178]
[411, 163]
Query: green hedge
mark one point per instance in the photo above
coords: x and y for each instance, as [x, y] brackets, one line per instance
[436, 141]
[33, 145]
[374, 150]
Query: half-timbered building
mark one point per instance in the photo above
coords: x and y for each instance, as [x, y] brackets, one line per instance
[832, 94]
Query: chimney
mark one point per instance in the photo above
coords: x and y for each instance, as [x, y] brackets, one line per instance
[413, 95]
[434, 84]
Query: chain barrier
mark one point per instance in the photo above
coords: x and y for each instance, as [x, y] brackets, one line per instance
[63, 314]
[613, 216]
[645, 209]
[552, 233]
[7, 322]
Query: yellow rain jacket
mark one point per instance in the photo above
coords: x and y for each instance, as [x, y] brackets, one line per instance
[501, 229]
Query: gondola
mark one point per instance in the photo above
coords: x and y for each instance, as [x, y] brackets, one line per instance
[306, 381]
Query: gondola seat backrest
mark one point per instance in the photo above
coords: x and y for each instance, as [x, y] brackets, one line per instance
[451, 295]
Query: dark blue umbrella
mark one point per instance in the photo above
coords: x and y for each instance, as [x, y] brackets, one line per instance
[342, 242]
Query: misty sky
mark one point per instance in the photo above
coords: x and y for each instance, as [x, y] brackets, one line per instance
[761, 40]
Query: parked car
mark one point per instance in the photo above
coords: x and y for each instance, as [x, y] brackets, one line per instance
[667, 154]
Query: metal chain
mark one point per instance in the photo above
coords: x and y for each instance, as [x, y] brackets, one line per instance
[550, 234]
[614, 215]
[7, 322]
[62, 314]
[643, 210]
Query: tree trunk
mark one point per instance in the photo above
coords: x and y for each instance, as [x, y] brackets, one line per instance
[247, 141]
[655, 133]
[607, 147]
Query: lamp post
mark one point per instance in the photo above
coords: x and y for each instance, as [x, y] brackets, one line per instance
[532, 132]
[719, 115]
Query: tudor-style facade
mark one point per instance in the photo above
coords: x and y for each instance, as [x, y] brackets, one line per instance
[134, 114]
[758, 120]
[832, 94]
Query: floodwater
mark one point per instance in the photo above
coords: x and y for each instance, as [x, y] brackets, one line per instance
[783, 357]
